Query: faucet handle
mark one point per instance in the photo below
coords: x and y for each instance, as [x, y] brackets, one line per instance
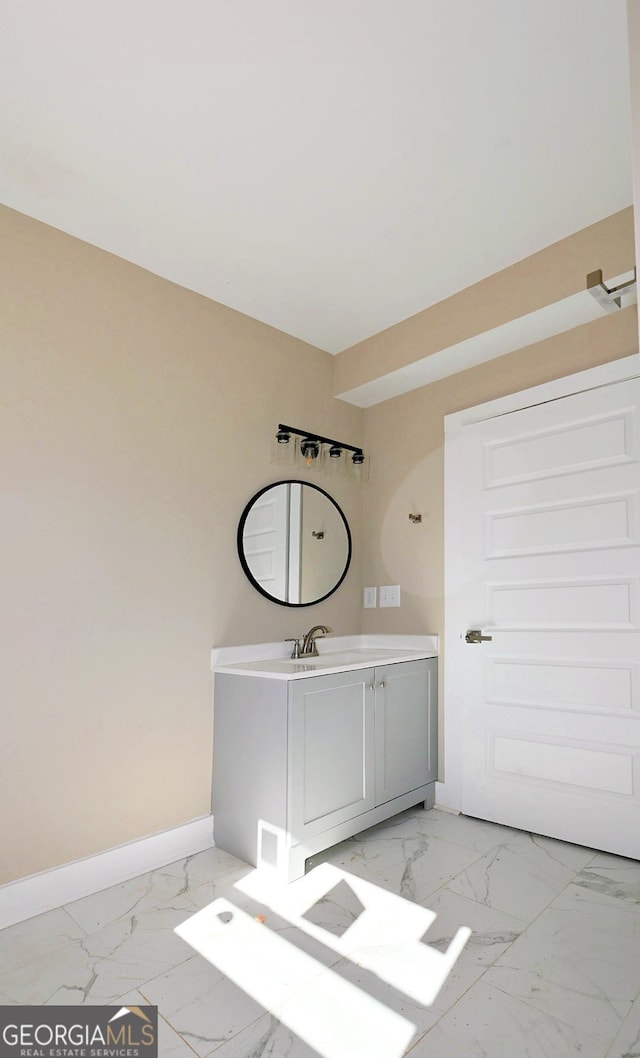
[295, 653]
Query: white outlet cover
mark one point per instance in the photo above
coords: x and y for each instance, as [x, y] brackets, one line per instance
[370, 598]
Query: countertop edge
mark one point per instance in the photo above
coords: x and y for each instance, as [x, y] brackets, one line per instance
[397, 655]
[224, 657]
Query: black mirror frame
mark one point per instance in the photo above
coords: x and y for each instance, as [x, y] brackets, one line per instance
[243, 561]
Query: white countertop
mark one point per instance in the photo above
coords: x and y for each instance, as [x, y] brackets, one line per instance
[335, 654]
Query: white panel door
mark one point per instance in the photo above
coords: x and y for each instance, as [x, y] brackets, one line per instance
[266, 541]
[543, 556]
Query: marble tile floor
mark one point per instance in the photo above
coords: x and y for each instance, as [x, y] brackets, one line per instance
[551, 967]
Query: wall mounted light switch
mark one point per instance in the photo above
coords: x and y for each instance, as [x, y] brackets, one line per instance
[370, 598]
[390, 595]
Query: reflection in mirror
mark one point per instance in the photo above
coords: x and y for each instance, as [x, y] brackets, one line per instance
[294, 543]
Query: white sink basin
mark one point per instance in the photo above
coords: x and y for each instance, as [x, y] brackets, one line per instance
[342, 659]
[339, 658]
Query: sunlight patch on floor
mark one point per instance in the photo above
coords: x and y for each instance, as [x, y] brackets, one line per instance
[378, 931]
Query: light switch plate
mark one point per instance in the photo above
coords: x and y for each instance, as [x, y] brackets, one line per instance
[370, 598]
[390, 595]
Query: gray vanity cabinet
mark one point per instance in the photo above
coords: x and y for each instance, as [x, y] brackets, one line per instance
[302, 764]
[331, 750]
[406, 699]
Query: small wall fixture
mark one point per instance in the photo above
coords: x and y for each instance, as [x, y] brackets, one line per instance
[312, 452]
[415, 518]
[609, 298]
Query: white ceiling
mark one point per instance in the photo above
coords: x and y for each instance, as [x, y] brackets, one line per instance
[327, 166]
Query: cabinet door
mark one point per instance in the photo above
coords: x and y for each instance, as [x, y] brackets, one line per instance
[406, 702]
[331, 750]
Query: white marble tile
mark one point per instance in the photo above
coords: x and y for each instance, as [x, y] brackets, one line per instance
[344, 853]
[487, 1023]
[29, 940]
[157, 889]
[270, 1038]
[608, 859]
[476, 834]
[170, 1044]
[492, 933]
[627, 1042]
[339, 1019]
[363, 923]
[591, 899]
[258, 906]
[64, 977]
[564, 985]
[329, 1012]
[409, 864]
[128, 952]
[207, 866]
[229, 885]
[266, 1038]
[614, 880]
[573, 857]
[105, 964]
[201, 1005]
[580, 965]
[383, 996]
[424, 865]
[522, 875]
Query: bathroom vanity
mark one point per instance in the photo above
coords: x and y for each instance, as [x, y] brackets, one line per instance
[309, 751]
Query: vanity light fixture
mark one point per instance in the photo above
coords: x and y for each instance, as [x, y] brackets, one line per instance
[311, 451]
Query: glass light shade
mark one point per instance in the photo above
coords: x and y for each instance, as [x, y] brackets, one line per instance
[283, 452]
[335, 461]
[359, 467]
[309, 454]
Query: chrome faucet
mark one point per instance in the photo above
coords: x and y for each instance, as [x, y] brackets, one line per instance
[306, 646]
[309, 647]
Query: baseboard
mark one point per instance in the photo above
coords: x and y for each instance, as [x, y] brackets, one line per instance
[446, 808]
[447, 798]
[38, 893]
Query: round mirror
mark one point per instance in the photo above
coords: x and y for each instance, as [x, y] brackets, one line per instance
[294, 543]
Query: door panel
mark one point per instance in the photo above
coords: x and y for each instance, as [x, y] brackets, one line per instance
[598, 522]
[543, 554]
[602, 687]
[578, 604]
[586, 443]
[266, 541]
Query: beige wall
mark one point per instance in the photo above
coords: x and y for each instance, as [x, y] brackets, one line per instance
[136, 423]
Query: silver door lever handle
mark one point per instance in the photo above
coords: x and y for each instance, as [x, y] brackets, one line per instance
[474, 635]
